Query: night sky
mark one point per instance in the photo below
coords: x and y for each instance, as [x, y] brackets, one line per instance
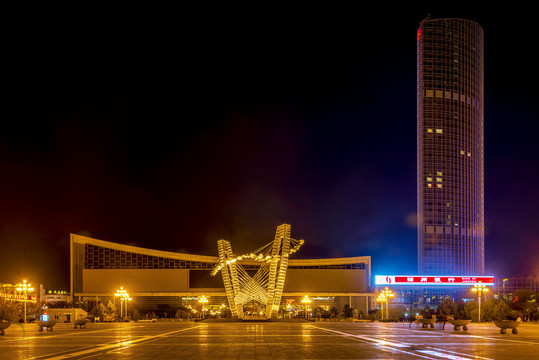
[173, 128]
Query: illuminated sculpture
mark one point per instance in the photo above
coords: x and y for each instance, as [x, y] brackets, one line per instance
[266, 286]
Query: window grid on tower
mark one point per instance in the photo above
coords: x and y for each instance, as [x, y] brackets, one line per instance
[450, 147]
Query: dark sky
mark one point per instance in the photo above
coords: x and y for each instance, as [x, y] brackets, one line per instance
[173, 128]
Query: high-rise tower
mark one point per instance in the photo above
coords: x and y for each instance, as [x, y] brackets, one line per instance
[450, 175]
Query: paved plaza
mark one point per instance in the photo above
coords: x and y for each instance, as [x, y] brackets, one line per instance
[267, 340]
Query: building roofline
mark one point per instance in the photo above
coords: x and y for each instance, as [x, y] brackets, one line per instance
[80, 239]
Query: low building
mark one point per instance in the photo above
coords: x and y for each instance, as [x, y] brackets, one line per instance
[419, 291]
[66, 315]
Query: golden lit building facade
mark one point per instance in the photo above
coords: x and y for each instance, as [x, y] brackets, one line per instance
[450, 165]
[161, 279]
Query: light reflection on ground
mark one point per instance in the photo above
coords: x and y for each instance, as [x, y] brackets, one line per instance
[266, 340]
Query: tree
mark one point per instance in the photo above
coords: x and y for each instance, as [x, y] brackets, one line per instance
[136, 314]
[163, 310]
[397, 313]
[9, 310]
[501, 310]
[471, 310]
[461, 313]
[320, 312]
[111, 309]
[334, 312]
[447, 307]
[347, 312]
[374, 314]
[182, 313]
[487, 310]
[98, 311]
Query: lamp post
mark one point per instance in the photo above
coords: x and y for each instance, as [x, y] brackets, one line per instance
[24, 288]
[479, 288]
[388, 294]
[124, 297]
[203, 300]
[382, 299]
[306, 300]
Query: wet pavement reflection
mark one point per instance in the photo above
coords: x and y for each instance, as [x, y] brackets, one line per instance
[266, 340]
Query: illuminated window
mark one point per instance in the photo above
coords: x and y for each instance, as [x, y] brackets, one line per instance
[429, 179]
[439, 186]
[429, 130]
[461, 152]
[439, 173]
[439, 179]
[469, 154]
[429, 185]
[439, 131]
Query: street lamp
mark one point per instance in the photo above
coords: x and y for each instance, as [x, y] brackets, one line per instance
[306, 300]
[479, 288]
[24, 288]
[124, 297]
[388, 294]
[381, 299]
[203, 300]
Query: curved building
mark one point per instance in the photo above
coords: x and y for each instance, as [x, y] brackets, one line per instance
[450, 147]
[171, 281]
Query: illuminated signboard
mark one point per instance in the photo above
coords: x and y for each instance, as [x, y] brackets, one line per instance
[432, 280]
[17, 297]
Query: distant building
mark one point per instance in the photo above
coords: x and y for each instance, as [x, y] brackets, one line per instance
[450, 166]
[54, 296]
[507, 288]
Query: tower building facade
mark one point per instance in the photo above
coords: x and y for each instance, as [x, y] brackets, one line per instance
[450, 165]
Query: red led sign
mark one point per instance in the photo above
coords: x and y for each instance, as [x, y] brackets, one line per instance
[432, 280]
[17, 297]
[418, 34]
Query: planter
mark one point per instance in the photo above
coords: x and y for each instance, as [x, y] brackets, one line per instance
[45, 324]
[81, 323]
[426, 322]
[4, 324]
[507, 324]
[458, 323]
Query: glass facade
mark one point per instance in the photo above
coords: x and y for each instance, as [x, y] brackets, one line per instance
[450, 175]
[507, 288]
[98, 257]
